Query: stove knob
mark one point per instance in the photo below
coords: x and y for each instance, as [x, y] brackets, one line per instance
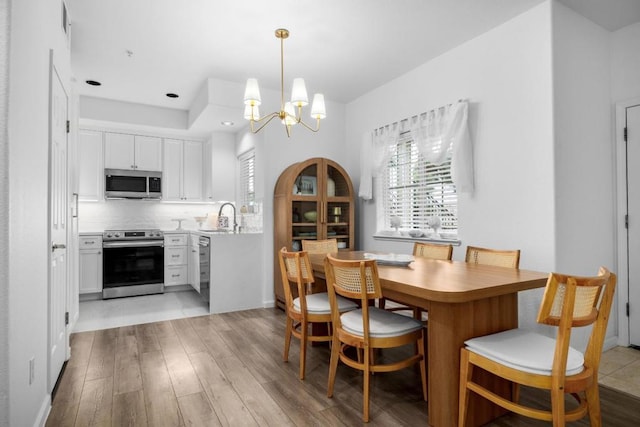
[109, 235]
[117, 235]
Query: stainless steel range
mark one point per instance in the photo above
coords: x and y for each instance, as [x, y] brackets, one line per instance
[133, 263]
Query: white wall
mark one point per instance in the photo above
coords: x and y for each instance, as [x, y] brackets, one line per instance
[584, 151]
[505, 74]
[4, 212]
[625, 63]
[35, 29]
[135, 114]
[583, 144]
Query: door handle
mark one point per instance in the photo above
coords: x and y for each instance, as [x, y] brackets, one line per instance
[58, 246]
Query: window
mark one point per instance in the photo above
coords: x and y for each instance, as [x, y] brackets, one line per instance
[415, 190]
[247, 179]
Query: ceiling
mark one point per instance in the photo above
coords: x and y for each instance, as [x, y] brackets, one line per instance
[140, 50]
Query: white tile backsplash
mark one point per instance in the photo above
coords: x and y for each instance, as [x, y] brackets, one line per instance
[142, 214]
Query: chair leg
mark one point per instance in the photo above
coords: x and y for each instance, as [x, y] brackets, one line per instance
[593, 404]
[333, 365]
[367, 380]
[466, 371]
[381, 303]
[287, 338]
[304, 326]
[557, 407]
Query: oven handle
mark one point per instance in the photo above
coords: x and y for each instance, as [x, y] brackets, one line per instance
[133, 244]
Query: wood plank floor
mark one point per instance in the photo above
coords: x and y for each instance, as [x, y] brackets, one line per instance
[227, 370]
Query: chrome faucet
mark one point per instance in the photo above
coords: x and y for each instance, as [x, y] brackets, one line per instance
[235, 223]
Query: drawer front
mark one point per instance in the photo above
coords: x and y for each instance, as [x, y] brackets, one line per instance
[175, 255]
[175, 275]
[92, 242]
[175, 240]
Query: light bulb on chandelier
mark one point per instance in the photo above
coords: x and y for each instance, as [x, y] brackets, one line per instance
[290, 113]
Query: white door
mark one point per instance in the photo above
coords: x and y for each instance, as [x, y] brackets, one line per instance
[633, 230]
[58, 337]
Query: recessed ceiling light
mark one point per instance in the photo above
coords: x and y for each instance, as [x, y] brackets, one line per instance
[172, 95]
[226, 123]
[93, 83]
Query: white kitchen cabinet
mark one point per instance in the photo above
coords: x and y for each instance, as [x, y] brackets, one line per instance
[124, 151]
[194, 262]
[182, 172]
[175, 259]
[219, 168]
[90, 165]
[207, 172]
[90, 264]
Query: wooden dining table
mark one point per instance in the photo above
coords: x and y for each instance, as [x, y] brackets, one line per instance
[463, 300]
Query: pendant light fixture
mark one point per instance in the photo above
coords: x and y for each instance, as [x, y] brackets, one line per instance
[290, 113]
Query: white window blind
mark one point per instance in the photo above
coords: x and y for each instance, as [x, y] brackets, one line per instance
[414, 190]
[247, 178]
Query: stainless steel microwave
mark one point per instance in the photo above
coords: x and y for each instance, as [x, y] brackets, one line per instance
[132, 184]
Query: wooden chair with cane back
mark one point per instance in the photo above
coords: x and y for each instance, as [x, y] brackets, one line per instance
[326, 246]
[531, 359]
[302, 307]
[499, 258]
[367, 328]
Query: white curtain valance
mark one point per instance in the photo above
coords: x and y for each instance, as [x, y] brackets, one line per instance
[436, 134]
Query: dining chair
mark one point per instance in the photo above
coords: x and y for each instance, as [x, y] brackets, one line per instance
[367, 328]
[320, 246]
[425, 250]
[304, 308]
[531, 359]
[498, 258]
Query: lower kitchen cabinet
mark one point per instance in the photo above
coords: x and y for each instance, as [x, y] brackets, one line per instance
[90, 264]
[176, 259]
[194, 262]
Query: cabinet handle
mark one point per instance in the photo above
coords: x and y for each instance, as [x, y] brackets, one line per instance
[175, 256]
[99, 252]
[75, 196]
[58, 246]
[89, 242]
[175, 275]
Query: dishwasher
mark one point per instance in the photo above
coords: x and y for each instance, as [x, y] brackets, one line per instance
[205, 273]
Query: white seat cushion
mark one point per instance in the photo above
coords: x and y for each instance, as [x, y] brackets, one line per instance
[524, 350]
[319, 303]
[382, 323]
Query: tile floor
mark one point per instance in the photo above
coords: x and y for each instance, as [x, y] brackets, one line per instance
[620, 370]
[111, 313]
[619, 367]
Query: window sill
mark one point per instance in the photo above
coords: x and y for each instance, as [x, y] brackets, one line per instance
[401, 237]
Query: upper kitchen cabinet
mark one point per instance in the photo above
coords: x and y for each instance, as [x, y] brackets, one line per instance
[123, 151]
[90, 165]
[219, 170]
[182, 172]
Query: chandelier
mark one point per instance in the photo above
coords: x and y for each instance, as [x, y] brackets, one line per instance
[290, 112]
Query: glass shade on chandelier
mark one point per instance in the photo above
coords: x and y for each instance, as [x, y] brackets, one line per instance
[290, 113]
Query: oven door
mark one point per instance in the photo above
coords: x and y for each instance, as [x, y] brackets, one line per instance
[132, 268]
